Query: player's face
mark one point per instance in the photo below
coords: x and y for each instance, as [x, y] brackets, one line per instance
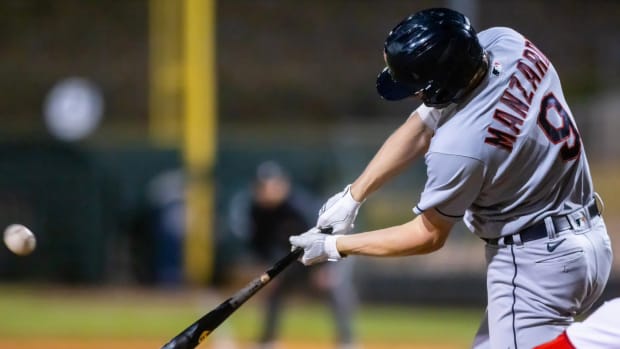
[271, 192]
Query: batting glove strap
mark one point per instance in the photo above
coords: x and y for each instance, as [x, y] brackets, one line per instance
[348, 200]
[331, 250]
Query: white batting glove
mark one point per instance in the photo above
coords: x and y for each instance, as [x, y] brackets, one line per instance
[318, 247]
[339, 212]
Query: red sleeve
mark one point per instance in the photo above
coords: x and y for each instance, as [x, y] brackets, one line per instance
[561, 342]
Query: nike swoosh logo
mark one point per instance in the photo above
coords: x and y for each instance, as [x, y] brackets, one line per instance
[551, 246]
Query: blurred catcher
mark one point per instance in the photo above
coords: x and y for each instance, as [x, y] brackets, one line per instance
[264, 218]
[504, 154]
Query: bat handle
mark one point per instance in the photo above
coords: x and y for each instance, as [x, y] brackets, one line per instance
[291, 257]
[327, 230]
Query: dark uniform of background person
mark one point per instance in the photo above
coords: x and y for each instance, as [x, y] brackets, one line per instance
[263, 217]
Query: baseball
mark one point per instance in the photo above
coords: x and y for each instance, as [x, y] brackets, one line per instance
[19, 239]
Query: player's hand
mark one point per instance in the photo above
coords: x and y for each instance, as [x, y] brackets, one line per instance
[318, 247]
[339, 212]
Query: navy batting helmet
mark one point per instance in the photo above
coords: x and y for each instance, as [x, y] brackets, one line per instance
[433, 54]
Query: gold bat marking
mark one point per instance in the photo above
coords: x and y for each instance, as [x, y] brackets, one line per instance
[203, 335]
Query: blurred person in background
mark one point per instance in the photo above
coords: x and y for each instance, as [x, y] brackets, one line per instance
[503, 154]
[264, 217]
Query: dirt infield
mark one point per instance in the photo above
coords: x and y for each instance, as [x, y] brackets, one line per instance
[153, 344]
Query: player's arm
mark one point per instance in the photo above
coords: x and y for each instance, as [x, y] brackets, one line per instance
[403, 146]
[424, 234]
[406, 144]
[453, 183]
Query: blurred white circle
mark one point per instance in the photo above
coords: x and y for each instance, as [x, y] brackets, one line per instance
[73, 108]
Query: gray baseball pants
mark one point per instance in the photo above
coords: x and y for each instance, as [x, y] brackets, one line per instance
[535, 288]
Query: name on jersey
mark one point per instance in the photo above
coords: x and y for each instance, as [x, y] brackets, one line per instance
[516, 100]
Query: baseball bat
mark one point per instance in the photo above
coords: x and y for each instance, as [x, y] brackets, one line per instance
[190, 337]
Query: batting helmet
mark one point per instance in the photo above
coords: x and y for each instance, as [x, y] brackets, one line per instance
[433, 54]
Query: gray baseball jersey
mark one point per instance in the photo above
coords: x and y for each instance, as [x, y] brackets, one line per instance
[504, 160]
[512, 154]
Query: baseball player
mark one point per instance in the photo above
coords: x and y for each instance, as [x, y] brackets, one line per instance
[601, 330]
[504, 154]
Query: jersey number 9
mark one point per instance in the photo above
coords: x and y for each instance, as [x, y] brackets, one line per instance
[551, 111]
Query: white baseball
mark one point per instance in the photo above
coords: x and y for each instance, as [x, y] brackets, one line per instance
[19, 239]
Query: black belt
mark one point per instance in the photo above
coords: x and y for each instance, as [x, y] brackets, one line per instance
[539, 230]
